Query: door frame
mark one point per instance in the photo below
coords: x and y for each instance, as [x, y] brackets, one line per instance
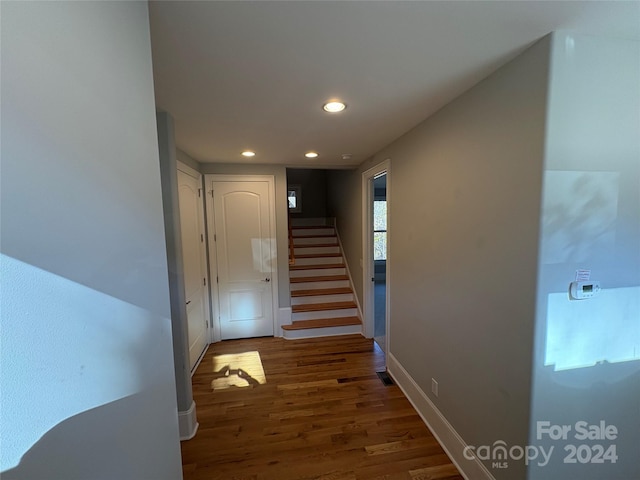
[213, 260]
[368, 310]
[184, 168]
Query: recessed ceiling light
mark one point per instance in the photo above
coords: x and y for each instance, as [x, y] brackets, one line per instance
[311, 154]
[248, 153]
[334, 107]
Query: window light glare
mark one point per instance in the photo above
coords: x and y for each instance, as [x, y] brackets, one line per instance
[311, 154]
[334, 107]
[248, 153]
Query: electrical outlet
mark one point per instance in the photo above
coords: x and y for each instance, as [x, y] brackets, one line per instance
[434, 387]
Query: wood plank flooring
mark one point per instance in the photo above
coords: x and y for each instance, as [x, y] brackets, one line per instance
[323, 414]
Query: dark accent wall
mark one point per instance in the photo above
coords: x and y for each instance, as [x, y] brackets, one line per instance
[313, 184]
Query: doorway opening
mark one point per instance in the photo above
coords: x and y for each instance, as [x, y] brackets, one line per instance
[376, 254]
[380, 259]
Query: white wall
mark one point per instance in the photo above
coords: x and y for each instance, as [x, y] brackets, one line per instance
[88, 389]
[590, 220]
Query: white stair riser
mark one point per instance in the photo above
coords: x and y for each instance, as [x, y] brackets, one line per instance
[322, 332]
[314, 285]
[344, 312]
[308, 300]
[304, 232]
[319, 260]
[314, 240]
[315, 250]
[317, 272]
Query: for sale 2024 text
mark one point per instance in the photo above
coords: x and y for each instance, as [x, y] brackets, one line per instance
[582, 431]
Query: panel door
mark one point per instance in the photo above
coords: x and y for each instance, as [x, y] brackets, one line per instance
[193, 255]
[245, 260]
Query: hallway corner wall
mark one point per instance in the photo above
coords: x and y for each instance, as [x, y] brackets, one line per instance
[586, 363]
[88, 388]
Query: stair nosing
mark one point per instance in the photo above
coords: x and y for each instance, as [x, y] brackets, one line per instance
[319, 255]
[316, 292]
[313, 236]
[318, 266]
[321, 307]
[319, 278]
[316, 245]
[310, 227]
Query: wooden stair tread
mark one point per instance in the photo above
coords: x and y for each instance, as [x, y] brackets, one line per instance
[314, 245]
[309, 227]
[333, 235]
[317, 267]
[318, 278]
[319, 255]
[321, 291]
[322, 323]
[318, 307]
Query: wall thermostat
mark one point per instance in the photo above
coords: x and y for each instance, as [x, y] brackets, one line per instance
[583, 290]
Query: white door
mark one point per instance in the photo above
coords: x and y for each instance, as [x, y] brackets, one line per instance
[194, 259]
[246, 261]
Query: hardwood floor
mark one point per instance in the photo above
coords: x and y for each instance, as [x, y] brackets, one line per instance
[322, 414]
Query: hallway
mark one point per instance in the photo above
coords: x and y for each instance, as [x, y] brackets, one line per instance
[319, 411]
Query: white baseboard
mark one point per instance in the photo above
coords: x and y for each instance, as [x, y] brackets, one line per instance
[204, 352]
[188, 423]
[284, 318]
[451, 441]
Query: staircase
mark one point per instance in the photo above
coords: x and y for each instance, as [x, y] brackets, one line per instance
[322, 299]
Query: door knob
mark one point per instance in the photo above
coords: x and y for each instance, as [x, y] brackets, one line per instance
[266, 279]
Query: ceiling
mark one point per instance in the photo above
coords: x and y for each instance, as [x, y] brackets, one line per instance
[239, 75]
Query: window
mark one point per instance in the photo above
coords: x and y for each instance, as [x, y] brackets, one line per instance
[294, 198]
[380, 230]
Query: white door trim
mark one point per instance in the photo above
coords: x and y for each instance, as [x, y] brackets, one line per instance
[367, 251]
[183, 167]
[270, 179]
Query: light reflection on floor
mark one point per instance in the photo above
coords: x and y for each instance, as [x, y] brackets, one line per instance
[238, 370]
